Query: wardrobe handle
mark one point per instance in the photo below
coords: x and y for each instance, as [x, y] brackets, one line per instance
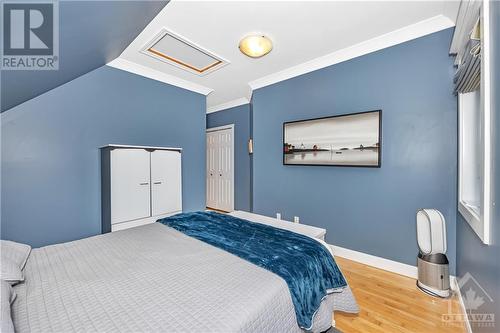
[144, 184]
[157, 183]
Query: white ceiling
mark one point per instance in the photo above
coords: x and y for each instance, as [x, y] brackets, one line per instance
[301, 32]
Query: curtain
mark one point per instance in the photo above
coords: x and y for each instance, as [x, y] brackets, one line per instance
[468, 75]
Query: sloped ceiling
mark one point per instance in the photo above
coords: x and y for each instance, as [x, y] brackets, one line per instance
[91, 33]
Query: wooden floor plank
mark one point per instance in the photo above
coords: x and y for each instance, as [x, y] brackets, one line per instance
[392, 303]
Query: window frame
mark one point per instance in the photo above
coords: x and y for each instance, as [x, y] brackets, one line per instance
[480, 223]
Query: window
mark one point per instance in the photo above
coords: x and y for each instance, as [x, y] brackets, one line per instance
[474, 174]
[471, 159]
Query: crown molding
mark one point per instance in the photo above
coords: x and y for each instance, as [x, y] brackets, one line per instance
[153, 74]
[228, 105]
[419, 29]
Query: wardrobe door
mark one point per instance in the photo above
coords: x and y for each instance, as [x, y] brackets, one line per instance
[166, 188]
[130, 185]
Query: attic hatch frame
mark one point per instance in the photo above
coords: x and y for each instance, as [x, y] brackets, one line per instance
[148, 50]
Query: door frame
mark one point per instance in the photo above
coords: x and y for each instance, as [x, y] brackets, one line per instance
[216, 129]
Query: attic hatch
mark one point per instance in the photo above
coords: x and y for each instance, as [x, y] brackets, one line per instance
[182, 53]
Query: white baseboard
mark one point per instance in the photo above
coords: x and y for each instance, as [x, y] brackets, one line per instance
[378, 262]
[387, 265]
[456, 289]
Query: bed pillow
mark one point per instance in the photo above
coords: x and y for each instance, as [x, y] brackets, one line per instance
[10, 272]
[16, 252]
[8, 296]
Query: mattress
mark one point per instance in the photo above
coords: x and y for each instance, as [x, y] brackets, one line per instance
[154, 278]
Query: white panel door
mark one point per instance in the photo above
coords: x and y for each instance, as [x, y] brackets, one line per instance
[166, 188]
[225, 166]
[220, 173]
[130, 185]
[212, 141]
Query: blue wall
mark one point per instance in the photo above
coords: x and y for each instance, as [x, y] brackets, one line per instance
[483, 261]
[365, 209]
[240, 117]
[50, 156]
[101, 37]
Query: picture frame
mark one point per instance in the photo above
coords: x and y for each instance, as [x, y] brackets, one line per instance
[347, 140]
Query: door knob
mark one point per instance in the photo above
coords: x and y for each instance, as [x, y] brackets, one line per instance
[157, 183]
[144, 184]
[220, 174]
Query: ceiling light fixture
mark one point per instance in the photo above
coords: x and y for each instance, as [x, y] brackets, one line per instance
[255, 46]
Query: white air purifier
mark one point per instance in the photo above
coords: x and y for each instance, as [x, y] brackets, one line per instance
[432, 263]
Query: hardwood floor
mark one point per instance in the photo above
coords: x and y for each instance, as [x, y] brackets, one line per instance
[216, 210]
[392, 303]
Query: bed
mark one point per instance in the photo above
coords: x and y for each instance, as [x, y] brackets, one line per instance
[155, 278]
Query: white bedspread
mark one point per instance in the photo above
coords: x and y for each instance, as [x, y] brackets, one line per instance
[154, 278]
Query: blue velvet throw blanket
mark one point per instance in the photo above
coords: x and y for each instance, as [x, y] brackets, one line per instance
[305, 264]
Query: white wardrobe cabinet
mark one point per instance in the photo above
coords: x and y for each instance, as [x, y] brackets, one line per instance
[139, 185]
